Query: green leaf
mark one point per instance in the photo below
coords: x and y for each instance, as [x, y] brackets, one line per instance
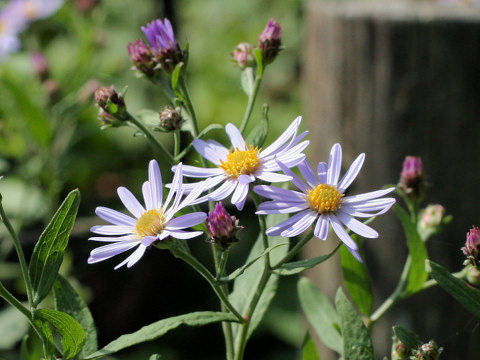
[242, 269]
[356, 279]
[409, 338]
[248, 81]
[13, 327]
[48, 253]
[71, 332]
[259, 133]
[309, 350]
[244, 286]
[296, 267]
[148, 117]
[357, 343]
[176, 76]
[159, 328]
[418, 252]
[257, 53]
[321, 314]
[467, 296]
[68, 301]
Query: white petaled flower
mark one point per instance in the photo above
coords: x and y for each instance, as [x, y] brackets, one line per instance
[153, 222]
[322, 199]
[236, 169]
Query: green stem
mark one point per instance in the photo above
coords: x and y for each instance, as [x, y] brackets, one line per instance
[251, 101]
[21, 256]
[202, 270]
[226, 326]
[295, 250]
[150, 137]
[188, 104]
[176, 139]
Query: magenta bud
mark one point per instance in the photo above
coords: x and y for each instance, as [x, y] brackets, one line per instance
[142, 57]
[270, 41]
[472, 247]
[222, 226]
[412, 177]
[243, 55]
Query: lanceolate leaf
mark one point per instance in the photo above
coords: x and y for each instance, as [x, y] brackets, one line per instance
[321, 314]
[356, 279]
[248, 80]
[159, 328]
[72, 334]
[68, 301]
[409, 338]
[417, 250]
[465, 295]
[309, 350]
[357, 343]
[48, 253]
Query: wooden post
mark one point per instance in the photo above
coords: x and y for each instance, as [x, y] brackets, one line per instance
[397, 78]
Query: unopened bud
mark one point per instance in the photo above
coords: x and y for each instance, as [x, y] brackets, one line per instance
[142, 57]
[170, 119]
[243, 55]
[40, 66]
[400, 351]
[428, 351]
[270, 41]
[110, 101]
[107, 120]
[222, 226]
[432, 216]
[472, 247]
[412, 177]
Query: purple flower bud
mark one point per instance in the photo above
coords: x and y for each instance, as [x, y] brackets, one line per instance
[243, 55]
[40, 66]
[270, 41]
[170, 119]
[411, 179]
[110, 101]
[142, 57]
[164, 46]
[472, 247]
[222, 226]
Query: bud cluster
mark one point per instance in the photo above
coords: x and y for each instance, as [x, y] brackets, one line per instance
[222, 226]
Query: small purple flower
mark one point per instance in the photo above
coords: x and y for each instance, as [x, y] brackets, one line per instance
[472, 247]
[411, 179]
[149, 224]
[270, 41]
[142, 57]
[222, 226]
[243, 55]
[164, 46]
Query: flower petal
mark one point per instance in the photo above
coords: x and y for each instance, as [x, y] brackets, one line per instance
[357, 226]
[107, 251]
[366, 196]
[290, 131]
[321, 228]
[193, 171]
[322, 172]
[114, 217]
[186, 221]
[236, 137]
[112, 239]
[147, 195]
[295, 179]
[130, 202]
[301, 225]
[278, 229]
[239, 195]
[334, 165]
[156, 185]
[112, 229]
[352, 173]
[211, 150]
[277, 193]
[307, 173]
[133, 258]
[176, 184]
[272, 177]
[222, 191]
[341, 232]
[179, 234]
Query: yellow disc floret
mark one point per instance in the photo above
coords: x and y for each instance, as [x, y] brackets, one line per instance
[150, 223]
[324, 198]
[241, 162]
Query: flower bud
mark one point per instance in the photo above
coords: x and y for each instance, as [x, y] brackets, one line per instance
[40, 66]
[400, 351]
[142, 57]
[472, 247]
[107, 120]
[243, 55]
[110, 101]
[270, 41]
[432, 216]
[428, 351]
[411, 179]
[222, 226]
[170, 119]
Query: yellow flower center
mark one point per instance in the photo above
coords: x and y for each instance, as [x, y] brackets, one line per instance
[324, 198]
[241, 162]
[150, 223]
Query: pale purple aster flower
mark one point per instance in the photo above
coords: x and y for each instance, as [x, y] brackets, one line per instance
[11, 23]
[39, 9]
[151, 223]
[322, 199]
[236, 169]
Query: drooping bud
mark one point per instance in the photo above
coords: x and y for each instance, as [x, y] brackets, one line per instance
[165, 49]
[412, 177]
[110, 101]
[270, 41]
[243, 55]
[472, 247]
[40, 66]
[428, 351]
[170, 119]
[142, 57]
[400, 351]
[222, 226]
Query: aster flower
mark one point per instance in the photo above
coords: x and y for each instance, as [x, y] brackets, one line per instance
[322, 199]
[10, 25]
[238, 168]
[151, 223]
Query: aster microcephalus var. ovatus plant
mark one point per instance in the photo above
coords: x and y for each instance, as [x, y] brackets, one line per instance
[322, 198]
[151, 223]
[239, 167]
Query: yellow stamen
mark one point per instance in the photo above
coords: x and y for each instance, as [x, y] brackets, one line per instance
[324, 198]
[150, 223]
[241, 162]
